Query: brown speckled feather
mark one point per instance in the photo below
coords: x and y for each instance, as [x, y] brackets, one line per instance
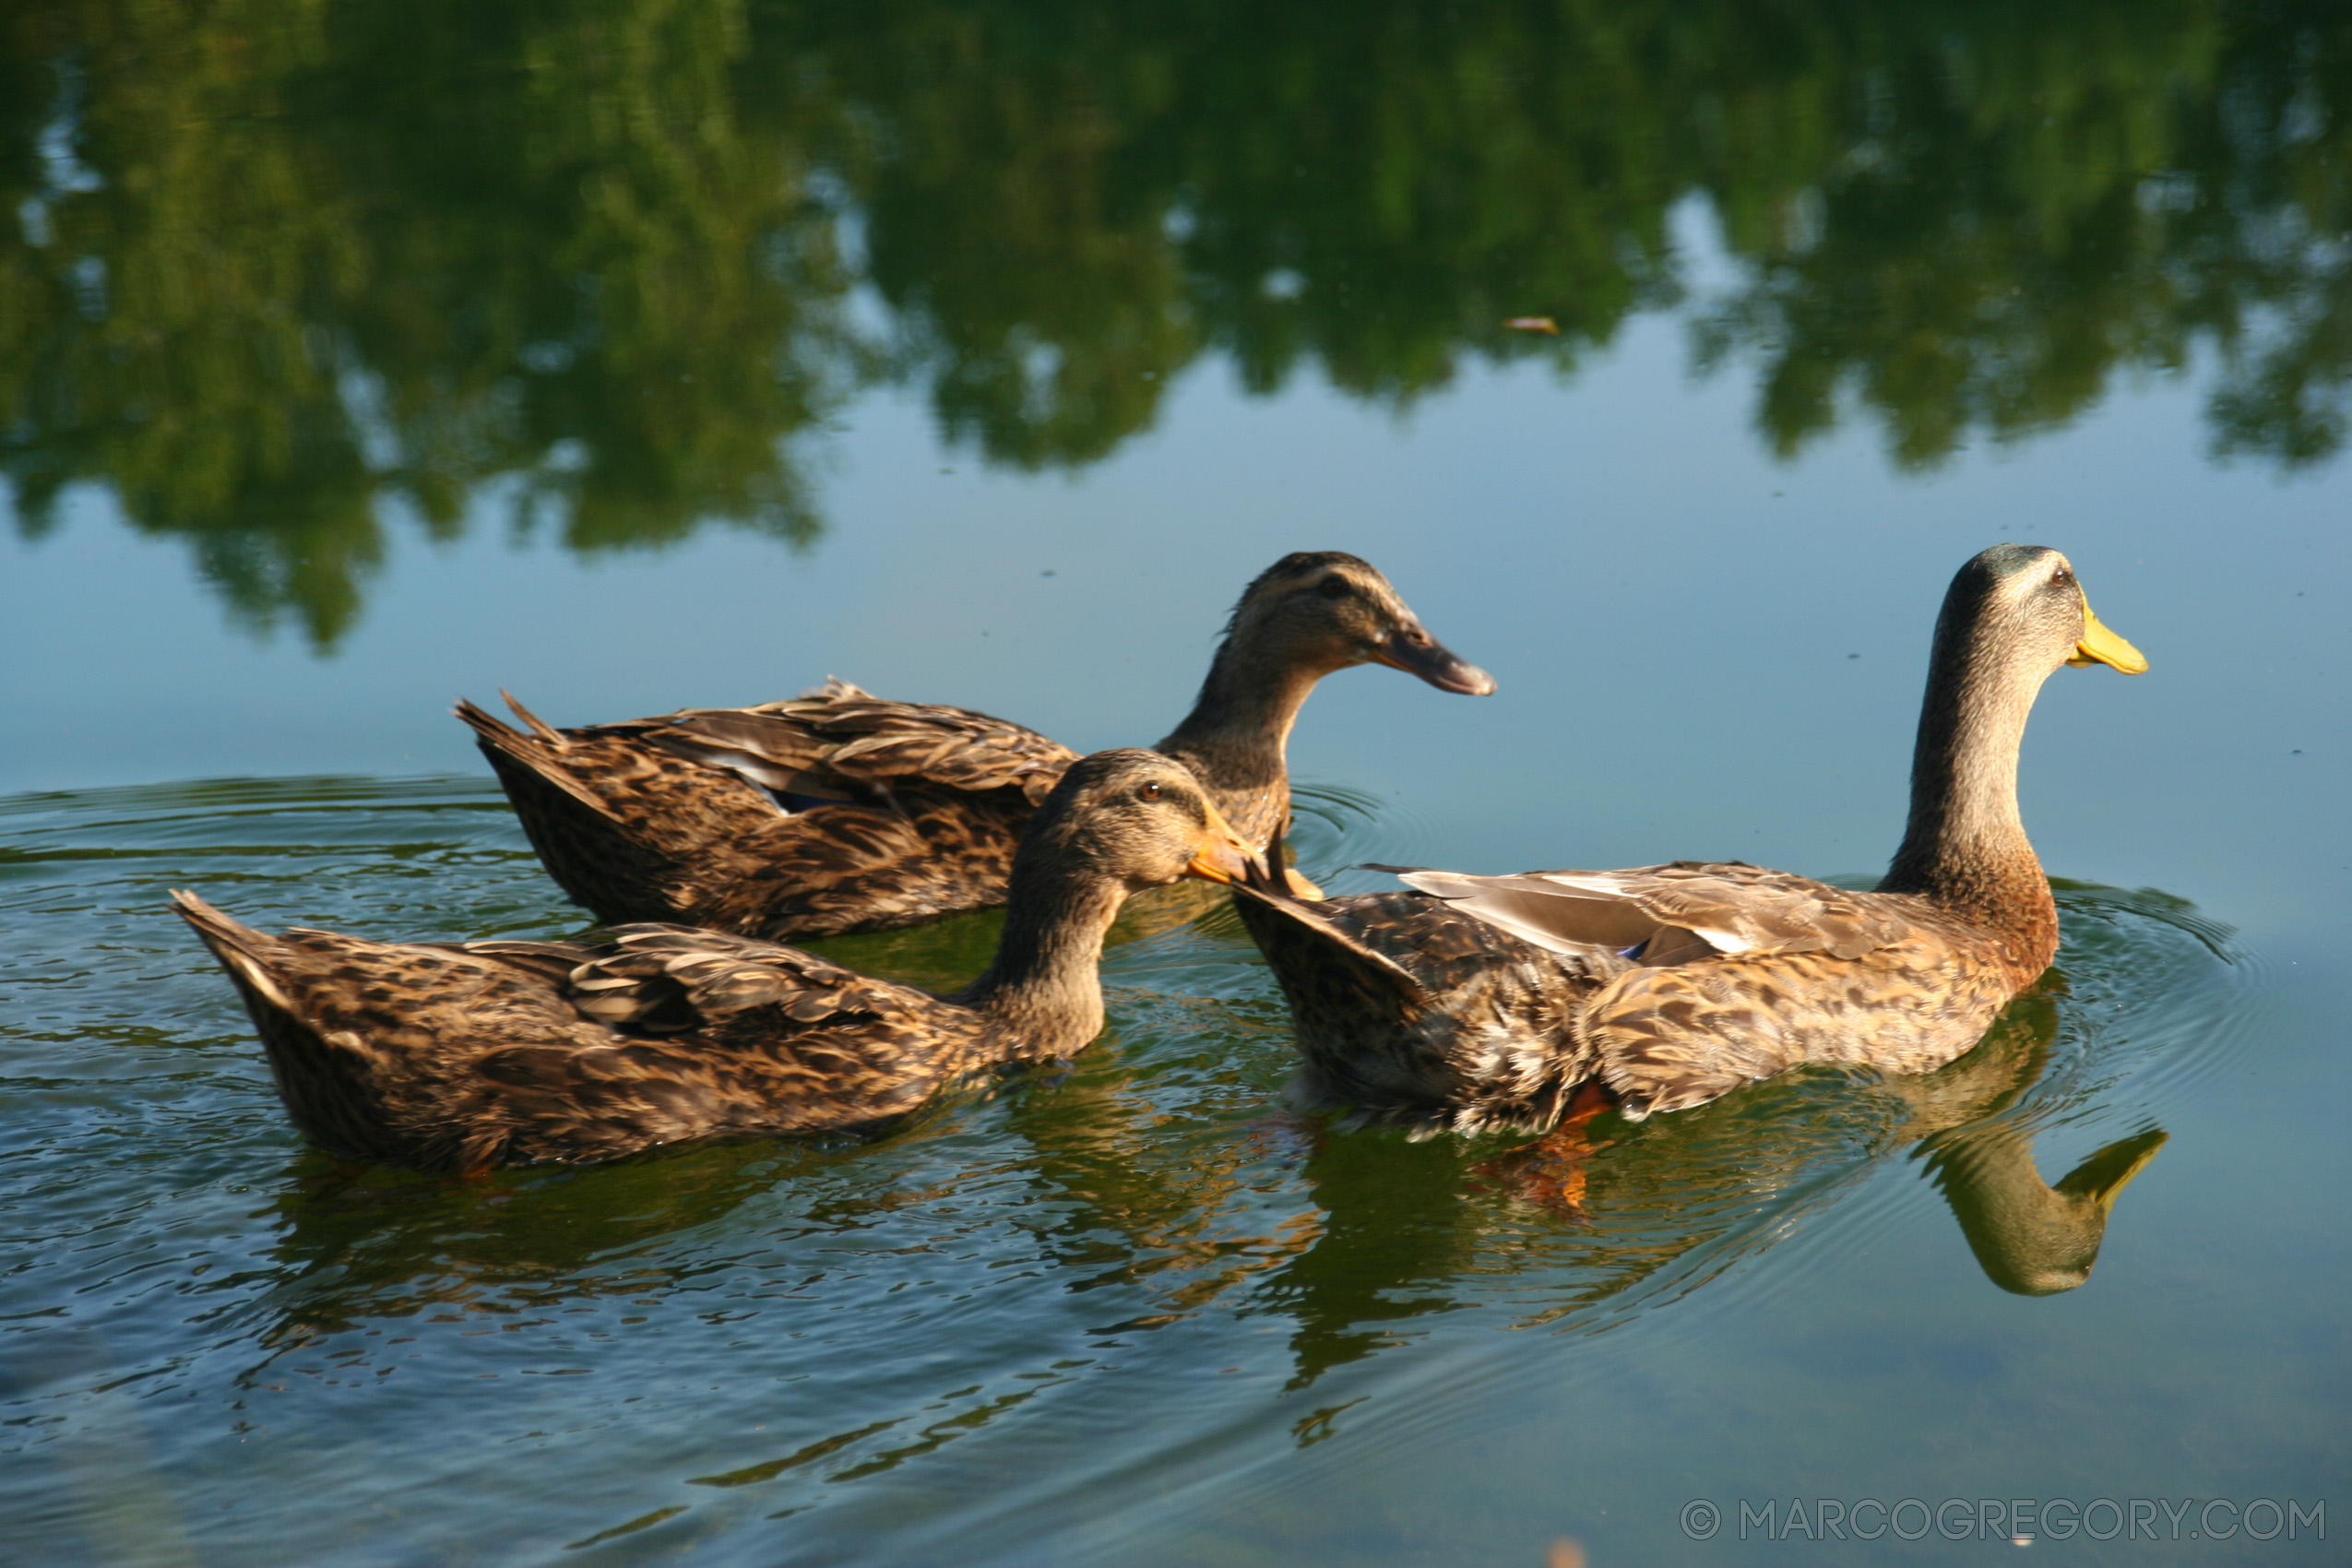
[1411, 1015]
[465, 1056]
[1678, 1034]
[662, 818]
[1731, 906]
[1743, 972]
[840, 731]
[840, 812]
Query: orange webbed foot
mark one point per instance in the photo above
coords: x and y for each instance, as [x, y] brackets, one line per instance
[1550, 1172]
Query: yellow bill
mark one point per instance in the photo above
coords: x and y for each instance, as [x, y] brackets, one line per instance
[2100, 646]
[1221, 856]
[2103, 1177]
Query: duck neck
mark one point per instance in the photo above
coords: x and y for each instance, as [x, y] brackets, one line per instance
[1965, 848]
[1042, 994]
[1234, 737]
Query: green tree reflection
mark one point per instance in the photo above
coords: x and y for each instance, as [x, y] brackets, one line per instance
[279, 271]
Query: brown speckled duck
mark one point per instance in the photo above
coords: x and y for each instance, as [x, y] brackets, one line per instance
[462, 1056]
[838, 812]
[1484, 1002]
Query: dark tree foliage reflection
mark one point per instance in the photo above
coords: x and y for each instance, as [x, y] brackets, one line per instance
[280, 271]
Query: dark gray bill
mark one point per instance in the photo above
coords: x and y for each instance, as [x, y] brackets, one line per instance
[1415, 652]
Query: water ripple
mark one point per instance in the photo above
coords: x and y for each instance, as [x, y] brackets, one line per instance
[752, 1332]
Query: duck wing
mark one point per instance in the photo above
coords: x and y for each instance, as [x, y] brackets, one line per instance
[860, 745]
[1671, 914]
[831, 813]
[717, 1035]
[661, 979]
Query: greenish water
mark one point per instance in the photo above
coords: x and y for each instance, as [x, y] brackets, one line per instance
[1076, 1316]
[355, 357]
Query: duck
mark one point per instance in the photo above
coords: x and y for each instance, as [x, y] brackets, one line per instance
[1473, 1004]
[838, 812]
[463, 1057]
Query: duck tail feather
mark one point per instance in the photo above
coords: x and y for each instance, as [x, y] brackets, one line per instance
[491, 728]
[1263, 873]
[248, 955]
[1302, 938]
[539, 751]
[538, 727]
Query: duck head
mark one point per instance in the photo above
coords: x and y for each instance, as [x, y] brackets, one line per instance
[1137, 819]
[2024, 600]
[1321, 610]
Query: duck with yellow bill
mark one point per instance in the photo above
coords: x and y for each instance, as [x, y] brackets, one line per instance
[1477, 1002]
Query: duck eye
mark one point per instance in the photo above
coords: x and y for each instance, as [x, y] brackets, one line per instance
[1147, 793]
[1335, 587]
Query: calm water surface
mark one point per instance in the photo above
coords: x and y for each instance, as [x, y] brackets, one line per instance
[356, 357]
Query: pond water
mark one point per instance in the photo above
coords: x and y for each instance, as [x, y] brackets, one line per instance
[354, 358]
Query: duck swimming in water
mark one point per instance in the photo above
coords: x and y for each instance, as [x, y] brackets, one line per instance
[463, 1056]
[838, 812]
[1479, 1002]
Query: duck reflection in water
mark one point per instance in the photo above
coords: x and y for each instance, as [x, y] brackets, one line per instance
[1655, 1209]
[1392, 1230]
[2030, 1238]
[356, 1245]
